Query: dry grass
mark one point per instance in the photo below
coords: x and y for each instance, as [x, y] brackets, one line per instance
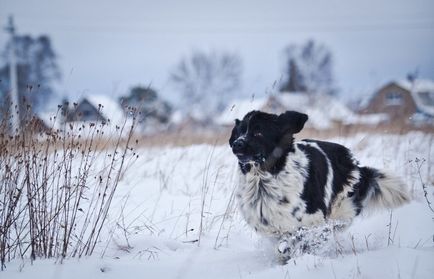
[220, 135]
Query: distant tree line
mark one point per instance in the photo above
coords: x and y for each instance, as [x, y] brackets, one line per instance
[206, 81]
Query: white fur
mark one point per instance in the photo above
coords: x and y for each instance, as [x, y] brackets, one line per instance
[394, 193]
[288, 184]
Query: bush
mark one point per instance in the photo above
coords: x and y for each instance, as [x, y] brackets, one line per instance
[57, 185]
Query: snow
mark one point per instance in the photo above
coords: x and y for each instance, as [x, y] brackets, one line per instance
[418, 85]
[323, 110]
[161, 195]
[50, 118]
[176, 117]
[293, 100]
[238, 108]
[111, 109]
[367, 119]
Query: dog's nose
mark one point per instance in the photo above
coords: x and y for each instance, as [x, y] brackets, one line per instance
[238, 144]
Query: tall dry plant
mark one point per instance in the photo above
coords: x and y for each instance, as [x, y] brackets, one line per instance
[57, 183]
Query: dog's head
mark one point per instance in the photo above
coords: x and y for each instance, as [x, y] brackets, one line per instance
[259, 134]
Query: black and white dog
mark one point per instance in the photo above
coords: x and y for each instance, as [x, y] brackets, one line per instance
[286, 185]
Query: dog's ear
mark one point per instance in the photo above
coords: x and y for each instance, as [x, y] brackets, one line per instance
[234, 133]
[291, 121]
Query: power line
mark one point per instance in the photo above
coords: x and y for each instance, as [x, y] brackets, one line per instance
[234, 27]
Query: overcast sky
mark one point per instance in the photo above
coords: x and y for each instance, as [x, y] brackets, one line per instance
[107, 46]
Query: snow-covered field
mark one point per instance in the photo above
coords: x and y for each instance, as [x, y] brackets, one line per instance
[174, 216]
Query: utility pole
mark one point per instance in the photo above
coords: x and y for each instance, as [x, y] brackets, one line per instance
[15, 108]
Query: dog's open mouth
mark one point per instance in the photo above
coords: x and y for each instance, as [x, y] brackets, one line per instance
[243, 158]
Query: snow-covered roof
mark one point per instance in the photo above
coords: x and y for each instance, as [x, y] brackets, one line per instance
[335, 108]
[367, 119]
[293, 100]
[302, 102]
[49, 118]
[422, 91]
[418, 85]
[322, 110]
[111, 109]
[176, 117]
[238, 108]
[424, 101]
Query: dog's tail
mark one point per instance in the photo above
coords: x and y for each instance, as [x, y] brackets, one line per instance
[384, 190]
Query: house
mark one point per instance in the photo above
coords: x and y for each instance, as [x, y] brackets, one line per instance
[97, 108]
[404, 102]
[82, 111]
[94, 111]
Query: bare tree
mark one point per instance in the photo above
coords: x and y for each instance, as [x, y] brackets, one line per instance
[207, 81]
[309, 69]
[152, 110]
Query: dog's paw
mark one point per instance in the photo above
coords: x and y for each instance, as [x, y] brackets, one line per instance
[283, 247]
[283, 252]
[283, 260]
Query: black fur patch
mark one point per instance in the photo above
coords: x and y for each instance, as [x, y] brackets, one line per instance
[342, 164]
[280, 163]
[313, 192]
[244, 167]
[295, 210]
[367, 183]
[283, 200]
[264, 220]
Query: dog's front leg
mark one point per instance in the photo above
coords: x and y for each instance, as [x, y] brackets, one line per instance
[290, 244]
[286, 247]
